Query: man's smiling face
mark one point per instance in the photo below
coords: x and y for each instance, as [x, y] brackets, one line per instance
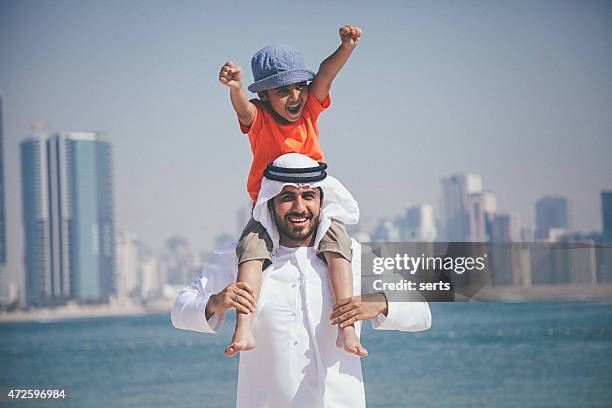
[296, 212]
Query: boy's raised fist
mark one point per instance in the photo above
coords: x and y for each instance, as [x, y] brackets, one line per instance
[349, 35]
[231, 75]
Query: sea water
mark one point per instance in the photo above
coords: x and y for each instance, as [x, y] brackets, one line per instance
[493, 354]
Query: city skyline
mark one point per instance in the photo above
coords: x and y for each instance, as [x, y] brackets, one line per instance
[67, 190]
[524, 103]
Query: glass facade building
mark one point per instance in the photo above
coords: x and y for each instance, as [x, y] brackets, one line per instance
[78, 233]
[606, 215]
[551, 213]
[92, 232]
[3, 272]
[35, 222]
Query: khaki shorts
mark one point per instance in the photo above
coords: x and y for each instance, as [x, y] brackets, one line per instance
[255, 243]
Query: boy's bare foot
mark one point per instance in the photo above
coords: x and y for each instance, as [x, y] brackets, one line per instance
[347, 339]
[243, 340]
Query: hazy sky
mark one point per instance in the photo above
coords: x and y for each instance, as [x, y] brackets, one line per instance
[519, 92]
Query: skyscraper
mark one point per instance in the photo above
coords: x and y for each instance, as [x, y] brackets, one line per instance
[505, 228]
[35, 221]
[59, 217]
[177, 261]
[551, 213]
[92, 231]
[606, 215]
[455, 201]
[127, 280]
[68, 218]
[4, 298]
[138, 275]
[386, 230]
[418, 225]
[481, 208]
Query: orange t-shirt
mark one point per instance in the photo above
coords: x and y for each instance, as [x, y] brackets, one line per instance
[270, 139]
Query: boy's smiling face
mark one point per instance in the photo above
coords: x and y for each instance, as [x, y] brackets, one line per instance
[288, 101]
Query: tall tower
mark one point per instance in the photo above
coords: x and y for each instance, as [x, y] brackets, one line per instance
[4, 297]
[481, 209]
[505, 228]
[35, 221]
[68, 218]
[606, 215]
[418, 224]
[59, 217]
[455, 199]
[91, 227]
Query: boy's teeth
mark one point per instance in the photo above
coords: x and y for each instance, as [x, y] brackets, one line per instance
[294, 108]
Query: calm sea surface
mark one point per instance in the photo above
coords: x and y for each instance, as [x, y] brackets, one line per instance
[475, 355]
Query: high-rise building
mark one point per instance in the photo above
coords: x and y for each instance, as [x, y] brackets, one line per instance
[151, 286]
[60, 220]
[34, 196]
[127, 281]
[386, 231]
[481, 208]
[606, 215]
[604, 254]
[4, 279]
[177, 261]
[505, 228]
[68, 218]
[418, 224]
[138, 275]
[455, 202]
[510, 264]
[551, 213]
[92, 236]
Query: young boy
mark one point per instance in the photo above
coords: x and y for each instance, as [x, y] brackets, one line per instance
[284, 120]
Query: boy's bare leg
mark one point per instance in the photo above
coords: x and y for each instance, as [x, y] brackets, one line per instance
[243, 340]
[341, 276]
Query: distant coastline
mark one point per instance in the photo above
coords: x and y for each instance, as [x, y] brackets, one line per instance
[567, 292]
[83, 312]
[561, 292]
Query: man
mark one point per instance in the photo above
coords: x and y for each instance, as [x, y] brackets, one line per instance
[296, 362]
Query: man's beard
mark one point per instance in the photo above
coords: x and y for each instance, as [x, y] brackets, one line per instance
[285, 230]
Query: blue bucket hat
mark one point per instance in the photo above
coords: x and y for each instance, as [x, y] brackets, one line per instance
[275, 66]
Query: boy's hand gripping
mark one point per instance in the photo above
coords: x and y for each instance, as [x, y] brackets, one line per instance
[231, 75]
[350, 35]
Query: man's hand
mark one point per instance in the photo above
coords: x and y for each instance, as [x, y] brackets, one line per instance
[350, 35]
[231, 75]
[237, 295]
[348, 311]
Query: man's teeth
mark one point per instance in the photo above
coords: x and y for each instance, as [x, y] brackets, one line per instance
[297, 219]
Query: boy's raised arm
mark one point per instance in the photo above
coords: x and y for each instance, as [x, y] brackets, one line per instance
[231, 76]
[321, 84]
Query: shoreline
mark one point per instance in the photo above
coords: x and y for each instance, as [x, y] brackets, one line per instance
[550, 292]
[540, 293]
[85, 312]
